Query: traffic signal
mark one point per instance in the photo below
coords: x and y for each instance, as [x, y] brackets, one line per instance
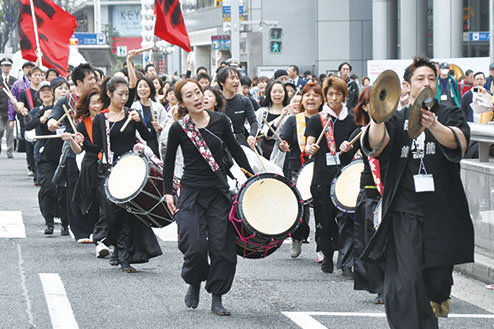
[275, 46]
[275, 34]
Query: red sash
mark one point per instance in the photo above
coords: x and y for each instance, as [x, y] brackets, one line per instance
[329, 133]
[376, 173]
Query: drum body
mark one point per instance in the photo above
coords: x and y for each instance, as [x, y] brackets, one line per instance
[136, 184]
[266, 210]
[304, 180]
[345, 187]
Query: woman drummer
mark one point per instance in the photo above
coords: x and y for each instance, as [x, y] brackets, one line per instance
[294, 142]
[327, 165]
[205, 203]
[134, 242]
[89, 191]
[367, 276]
[155, 121]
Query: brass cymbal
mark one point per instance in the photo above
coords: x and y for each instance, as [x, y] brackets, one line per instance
[384, 96]
[415, 128]
[458, 72]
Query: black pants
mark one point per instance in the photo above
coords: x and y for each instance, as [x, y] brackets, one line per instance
[345, 240]
[303, 230]
[368, 276]
[49, 194]
[101, 203]
[324, 214]
[204, 230]
[80, 225]
[31, 164]
[408, 286]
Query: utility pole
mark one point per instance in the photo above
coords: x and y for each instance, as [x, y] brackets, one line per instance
[491, 30]
[97, 16]
[235, 31]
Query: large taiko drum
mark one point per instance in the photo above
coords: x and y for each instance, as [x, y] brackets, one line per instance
[304, 180]
[266, 210]
[345, 187]
[136, 184]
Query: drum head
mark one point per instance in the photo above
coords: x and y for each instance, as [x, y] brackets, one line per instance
[270, 206]
[304, 180]
[127, 177]
[346, 187]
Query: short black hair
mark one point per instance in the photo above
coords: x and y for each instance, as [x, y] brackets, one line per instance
[51, 70]
[201, 68]
[418, 61]
[224, 73]
[478, 74]
[150, 84]
[245, 81]
[148, 66]
[343, 64]
[467, 72]
[203, 76]
[353, 76]
[80, 72]
[295, 68]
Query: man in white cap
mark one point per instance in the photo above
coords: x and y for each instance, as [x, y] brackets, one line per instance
[6, 124]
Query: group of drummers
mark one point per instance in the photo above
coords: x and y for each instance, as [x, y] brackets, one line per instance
[239, 182]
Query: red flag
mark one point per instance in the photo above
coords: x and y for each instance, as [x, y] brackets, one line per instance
[170, 25]
[55, 27]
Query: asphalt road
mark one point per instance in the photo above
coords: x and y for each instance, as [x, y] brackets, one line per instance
[53, 282]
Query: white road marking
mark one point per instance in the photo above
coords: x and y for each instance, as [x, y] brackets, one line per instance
[59, 307]
[11, 225]
[167, 233]
[25, 292]
[305, 320]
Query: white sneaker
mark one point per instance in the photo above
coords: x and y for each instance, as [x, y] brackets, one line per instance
[30, 173]
[319, 257]
[296, 248]
[57, 220]
[102, 250]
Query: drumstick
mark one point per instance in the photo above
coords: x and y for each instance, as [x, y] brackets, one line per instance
[272, 130]
[260, 160]
[50, 136]
[153, 118]
[70, 118]
[138, 51]
[321, 135]
[126, 124]
[248, 173]
[356, 138]
[11, 97]
[61, 119]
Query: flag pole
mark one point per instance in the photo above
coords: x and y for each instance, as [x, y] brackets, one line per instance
[35, 25]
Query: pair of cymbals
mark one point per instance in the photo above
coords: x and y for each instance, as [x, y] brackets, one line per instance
[384, 96]
[425, 99]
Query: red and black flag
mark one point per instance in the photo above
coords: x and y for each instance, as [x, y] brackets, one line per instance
[170, 25]
[55, 27]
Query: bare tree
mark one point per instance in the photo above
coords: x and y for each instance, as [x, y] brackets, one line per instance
[8, 10]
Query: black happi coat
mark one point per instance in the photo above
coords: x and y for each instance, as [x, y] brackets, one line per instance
[447, 228]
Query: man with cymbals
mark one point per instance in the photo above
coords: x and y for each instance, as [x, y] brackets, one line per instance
[425, 210]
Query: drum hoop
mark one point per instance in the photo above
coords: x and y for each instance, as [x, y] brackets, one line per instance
[308, 201]
[139, 190]
[242, 240]
[290, 184]
[335, 200]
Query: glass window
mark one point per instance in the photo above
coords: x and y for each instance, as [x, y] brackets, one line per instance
[475, 19]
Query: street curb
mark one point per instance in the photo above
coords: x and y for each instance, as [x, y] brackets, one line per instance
[482, 269]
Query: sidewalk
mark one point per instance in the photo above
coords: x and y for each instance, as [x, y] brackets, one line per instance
[482, 269]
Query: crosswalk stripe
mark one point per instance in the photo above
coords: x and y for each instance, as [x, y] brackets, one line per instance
[167, 233]
[59, 307]
[11, 225]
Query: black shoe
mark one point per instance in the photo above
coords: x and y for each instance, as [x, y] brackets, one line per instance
[217, 307]
[347, 272]
[64, 231]
[114, 258]
[10, 155]
[49, 229]
[379, 299]
[125, 267]
[327, 265]
[191, 298]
